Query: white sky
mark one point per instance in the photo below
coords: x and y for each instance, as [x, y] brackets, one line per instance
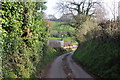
[108, 4]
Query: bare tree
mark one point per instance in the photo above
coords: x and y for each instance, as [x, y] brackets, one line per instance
[80, 9]
[112, 9]
[73, 6]
[100, 13]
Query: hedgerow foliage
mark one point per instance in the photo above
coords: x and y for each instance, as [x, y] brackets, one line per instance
[99, 51]
[0, 42]
[25, 35]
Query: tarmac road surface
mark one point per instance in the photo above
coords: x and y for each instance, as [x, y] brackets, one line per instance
[57, 68]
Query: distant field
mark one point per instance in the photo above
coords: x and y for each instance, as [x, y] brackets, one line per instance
[56, 26]
[65, 39]
[58, 29]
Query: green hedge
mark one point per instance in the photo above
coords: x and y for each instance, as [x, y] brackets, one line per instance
[100, 58]
[25, 36]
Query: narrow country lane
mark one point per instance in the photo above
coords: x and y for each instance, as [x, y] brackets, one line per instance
[56, 70]
[63, 62]
[76, 69]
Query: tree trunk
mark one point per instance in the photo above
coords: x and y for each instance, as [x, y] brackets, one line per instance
[78, 42]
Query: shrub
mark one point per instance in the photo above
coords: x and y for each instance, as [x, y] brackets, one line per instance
[25, 38]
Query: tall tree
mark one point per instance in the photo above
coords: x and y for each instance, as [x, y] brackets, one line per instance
[80, 10]
[100, 13]
[40, 6]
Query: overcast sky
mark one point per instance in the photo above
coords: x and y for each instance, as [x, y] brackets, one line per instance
[52, 3]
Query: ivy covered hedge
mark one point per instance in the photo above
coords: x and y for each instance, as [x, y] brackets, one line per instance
[0, 56]
[24, 37]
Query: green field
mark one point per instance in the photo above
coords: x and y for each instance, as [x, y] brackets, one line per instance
[58, 30]
[59, 27]
[65, 39]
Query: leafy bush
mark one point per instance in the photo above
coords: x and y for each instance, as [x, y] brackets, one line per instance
[25, 38]
[100, 58]
[99, 50]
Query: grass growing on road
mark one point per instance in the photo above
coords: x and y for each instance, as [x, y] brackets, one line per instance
[100, 58]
